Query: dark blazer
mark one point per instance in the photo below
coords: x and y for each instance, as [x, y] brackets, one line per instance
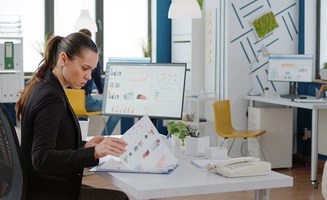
[51, 144]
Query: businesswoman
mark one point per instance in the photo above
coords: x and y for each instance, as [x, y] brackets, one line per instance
[54, 152]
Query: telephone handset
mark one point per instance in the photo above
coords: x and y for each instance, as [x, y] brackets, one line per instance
[242, 166]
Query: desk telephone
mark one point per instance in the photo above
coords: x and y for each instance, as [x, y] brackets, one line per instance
[243, 166]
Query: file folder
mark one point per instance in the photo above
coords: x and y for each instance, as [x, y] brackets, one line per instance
[9, 55]
[113, 165]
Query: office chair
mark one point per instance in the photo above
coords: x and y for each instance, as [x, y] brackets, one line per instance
[225, 129]
[77, 101]
[12, 173]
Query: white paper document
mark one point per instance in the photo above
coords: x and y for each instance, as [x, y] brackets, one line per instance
[146, 152]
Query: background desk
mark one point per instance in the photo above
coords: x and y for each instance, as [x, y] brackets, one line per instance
[189, 180]
[314, 129]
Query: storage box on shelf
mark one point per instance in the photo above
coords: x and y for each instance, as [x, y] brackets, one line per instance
[195, 107]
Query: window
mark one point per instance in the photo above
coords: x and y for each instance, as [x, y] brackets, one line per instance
[125, 25]
[125, 28]
[32, 17]
[67, 12]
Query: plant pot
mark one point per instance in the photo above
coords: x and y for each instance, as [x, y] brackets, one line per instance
[323, 74]
[176, 141]
[266, 93]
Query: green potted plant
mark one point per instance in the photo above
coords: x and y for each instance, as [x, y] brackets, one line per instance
[323, 71]
[146, 47]
[181, 130]
[41, 45]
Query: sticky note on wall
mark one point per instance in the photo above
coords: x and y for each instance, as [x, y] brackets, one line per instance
[9, 55]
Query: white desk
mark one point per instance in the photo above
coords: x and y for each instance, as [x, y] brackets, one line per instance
[314, 129]
[189, 180]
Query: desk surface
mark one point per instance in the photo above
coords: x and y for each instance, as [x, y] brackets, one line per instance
[276, 99]
[189, 180]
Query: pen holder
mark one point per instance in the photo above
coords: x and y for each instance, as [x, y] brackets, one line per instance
[319, 94]
[195, 146]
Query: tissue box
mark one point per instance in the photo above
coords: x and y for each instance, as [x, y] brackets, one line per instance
[215, 152]
[196, 146]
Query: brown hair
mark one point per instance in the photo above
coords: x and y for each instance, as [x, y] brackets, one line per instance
[86, 31]
[73, 45]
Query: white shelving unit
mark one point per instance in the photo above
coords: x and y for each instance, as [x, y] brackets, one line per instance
[197, 104]
[188, 47]
[11, 68]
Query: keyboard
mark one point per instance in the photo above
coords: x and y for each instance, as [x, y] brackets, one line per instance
[310, 100]
[292, 96]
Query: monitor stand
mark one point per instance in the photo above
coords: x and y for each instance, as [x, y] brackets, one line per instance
[292, 94]
[154, 122]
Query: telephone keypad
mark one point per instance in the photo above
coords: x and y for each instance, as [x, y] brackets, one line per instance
[239, 165]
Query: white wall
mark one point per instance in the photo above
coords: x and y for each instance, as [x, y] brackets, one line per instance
[239, 45]
[283, 40]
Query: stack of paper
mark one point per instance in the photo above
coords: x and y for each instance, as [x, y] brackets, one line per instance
[146, 152]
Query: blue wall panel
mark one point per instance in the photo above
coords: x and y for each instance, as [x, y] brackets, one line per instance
[304, 115]
[11, 109]
[163, 41]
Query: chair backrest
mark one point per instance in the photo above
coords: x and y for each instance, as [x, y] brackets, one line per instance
[222, 117]
[12, 171]
[77, 101]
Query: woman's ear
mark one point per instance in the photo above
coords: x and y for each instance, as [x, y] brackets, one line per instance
[63, 58]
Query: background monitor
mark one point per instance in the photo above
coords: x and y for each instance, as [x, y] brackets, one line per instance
[130, 59]
[290, 68]
[295, 68]
[137, 89]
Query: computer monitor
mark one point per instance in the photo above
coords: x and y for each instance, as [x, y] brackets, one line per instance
[138, 89]
[290, 68]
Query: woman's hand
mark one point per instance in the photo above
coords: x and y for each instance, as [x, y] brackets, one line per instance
[109, 146]
[94, 141]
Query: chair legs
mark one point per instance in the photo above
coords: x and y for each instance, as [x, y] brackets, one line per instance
[231, 146]
[247, 150]
[263, 154]
[104, 124]
[223, 142]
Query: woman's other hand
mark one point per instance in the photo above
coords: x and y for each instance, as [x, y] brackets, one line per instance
[109, 146]
[94, 141]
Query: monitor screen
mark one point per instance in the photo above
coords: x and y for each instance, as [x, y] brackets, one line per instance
[138, 89]
[290, 68]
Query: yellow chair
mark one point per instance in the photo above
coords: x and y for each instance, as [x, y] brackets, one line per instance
[77, 101]
[225, 129]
